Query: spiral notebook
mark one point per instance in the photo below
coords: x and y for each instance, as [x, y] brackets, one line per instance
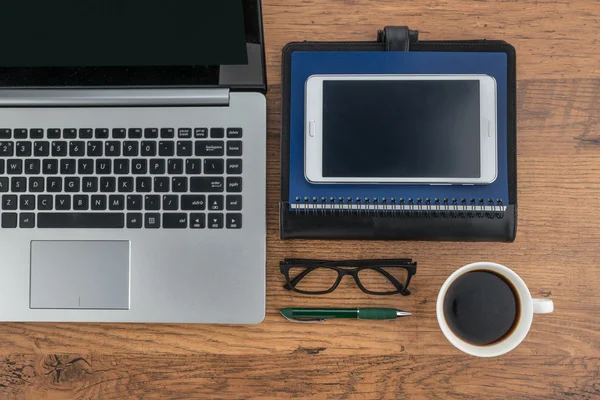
[387, 211]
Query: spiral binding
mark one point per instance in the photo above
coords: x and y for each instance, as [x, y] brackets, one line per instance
[401, 207]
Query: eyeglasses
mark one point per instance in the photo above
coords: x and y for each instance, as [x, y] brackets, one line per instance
[376, 277]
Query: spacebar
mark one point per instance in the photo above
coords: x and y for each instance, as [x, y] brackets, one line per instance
[81, 220]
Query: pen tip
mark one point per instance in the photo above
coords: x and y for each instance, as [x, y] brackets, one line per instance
[400, 313]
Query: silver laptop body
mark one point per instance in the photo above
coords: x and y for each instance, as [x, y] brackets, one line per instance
[182, 240]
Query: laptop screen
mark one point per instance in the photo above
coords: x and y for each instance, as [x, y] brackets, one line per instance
[126, 42]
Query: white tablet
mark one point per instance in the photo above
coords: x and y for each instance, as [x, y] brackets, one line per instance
[406, 129]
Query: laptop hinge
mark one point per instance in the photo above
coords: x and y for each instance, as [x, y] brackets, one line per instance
[113, 97]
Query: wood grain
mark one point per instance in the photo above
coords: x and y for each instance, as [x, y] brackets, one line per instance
[557, 251]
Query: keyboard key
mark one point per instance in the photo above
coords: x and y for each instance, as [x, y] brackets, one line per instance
[89, 184]
[121, 167]
[86, 133]
[135, 133]
[36, 184]
[143, 184]
[63, 202]
[7, 149]
[41, 149]
[81, 202]
[234, 203]
[234, 148]
[185, 133]
[36, 133]
[119, 133]
[234, 167]
[197, 221]
[184, 148]
[85, 166]
[77, 149]
[139, 166]
[112, 149]
[162, 184]
[134, 220]
[193, 202]
[59, 149]
[175, 221]
[116, 202]
[5, 133]
[69, 133]
[53, 133]
[201, 133]
[157, 166]
[234, 221]
[27, 202]
[94, 149]
[210, 149]
[14, 167]
[179, 185]
[10, 202]
[215, 221]
[193, 166]
[207, 185]
[18, 184]
[1, 167]
[152, 221]
[214, 166]
[72, 184]
[27, 221]
[45, 202]
[103, 166]
[175, 166]
[148, 149]
[33, 167]
[50, 167]
[54, 184]
[3, 184]
[134, 202]
[234, 133]
[217, 133]
[101, 133]
[23, 149]
[9, 220]
[166, 149]
[151, 133]
[234, 185]
[68, 167]
[20, 133]
[216, 203]
[108, 184]
[131, 149]
[98, 202]
[81, 220]
[170, 203]
[152, 202]
[167, 133]
[126, 185]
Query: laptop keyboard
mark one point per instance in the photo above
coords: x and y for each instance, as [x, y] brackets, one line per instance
[134, 178]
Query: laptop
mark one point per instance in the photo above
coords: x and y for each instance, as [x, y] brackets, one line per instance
[132, 161]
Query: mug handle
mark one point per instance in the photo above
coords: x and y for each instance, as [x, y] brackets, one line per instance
[542, 306]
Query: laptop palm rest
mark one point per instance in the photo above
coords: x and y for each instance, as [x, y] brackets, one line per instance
[80, 275]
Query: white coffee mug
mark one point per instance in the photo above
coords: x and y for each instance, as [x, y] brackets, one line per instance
[528, 307]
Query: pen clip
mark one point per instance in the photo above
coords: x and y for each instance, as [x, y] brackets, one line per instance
[305, 321]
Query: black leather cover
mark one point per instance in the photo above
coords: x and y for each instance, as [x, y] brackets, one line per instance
[430, 226]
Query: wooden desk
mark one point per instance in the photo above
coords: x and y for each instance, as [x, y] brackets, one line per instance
[557, 251]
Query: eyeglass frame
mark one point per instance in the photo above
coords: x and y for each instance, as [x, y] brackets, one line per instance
[356, 265]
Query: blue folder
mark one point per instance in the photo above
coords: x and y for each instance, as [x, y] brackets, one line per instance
[306, 63]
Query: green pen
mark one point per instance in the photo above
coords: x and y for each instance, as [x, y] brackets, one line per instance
[323, 314]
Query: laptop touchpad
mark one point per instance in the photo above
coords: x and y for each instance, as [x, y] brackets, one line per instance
[80, 275]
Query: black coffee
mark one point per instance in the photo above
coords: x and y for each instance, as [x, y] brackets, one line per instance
[481, 307]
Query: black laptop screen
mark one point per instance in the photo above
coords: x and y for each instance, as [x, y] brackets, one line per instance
[124, 33]
[124, 42]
